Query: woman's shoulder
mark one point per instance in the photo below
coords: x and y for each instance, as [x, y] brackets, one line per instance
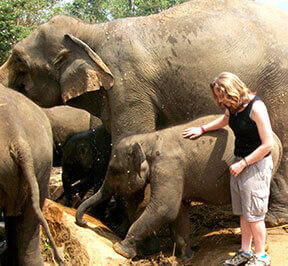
[257, 101]
[259, 105]
[258, 108]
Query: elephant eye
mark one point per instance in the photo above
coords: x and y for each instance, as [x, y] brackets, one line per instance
[18, 59]
[22, 65]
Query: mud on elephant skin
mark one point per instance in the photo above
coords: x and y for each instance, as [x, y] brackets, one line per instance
[26, 160]
[178, 170]
[65, 122]
[85, 158]
[138, 79]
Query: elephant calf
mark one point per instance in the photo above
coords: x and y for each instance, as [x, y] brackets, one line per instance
[178, 170]
[85, 157]
[26, 160]
[65, 122]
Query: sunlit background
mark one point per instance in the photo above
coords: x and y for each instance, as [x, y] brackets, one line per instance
[282, 4]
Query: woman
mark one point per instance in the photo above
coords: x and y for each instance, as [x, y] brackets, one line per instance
[251, 171]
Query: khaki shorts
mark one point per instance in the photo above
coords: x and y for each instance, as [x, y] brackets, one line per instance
[250, 190]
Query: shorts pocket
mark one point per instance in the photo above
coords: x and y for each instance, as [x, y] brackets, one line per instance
[265, 168]
[259, 202]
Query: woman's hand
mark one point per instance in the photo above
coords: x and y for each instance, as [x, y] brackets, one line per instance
[236, 168]
[192, 132]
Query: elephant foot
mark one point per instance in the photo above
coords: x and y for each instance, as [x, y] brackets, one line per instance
[277, 217]
[278, 202]
[125, 251]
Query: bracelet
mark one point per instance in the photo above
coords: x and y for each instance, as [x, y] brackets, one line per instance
[202, 129]
[247, 164]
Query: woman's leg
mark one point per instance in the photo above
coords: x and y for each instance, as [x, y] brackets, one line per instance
[246, 235]
[258, 230]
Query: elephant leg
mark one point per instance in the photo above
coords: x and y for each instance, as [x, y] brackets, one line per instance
[278, 201]
[162, 209]
[180, 232]
[23, 234]
[136, 205]
[140, 230]
[23, 240]
[8, 257]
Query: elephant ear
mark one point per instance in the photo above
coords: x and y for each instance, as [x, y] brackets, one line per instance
[141, 165]
[81, 70]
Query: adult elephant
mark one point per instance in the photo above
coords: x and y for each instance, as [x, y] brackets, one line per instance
[25, 166]
[140, 74]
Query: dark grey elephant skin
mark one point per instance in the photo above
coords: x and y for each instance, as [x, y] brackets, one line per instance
[144, 73]
[25, 165]
[85, 157]
[178, 170]
[65, 122]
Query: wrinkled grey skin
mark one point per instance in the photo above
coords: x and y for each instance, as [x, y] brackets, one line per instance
[25, 165]
[178, 170]
[144, 73]
[65, 122]
[85, 157]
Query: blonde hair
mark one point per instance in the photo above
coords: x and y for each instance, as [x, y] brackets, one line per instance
[232, 89]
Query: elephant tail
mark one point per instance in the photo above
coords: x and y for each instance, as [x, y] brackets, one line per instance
[103, 194]
[22, 155]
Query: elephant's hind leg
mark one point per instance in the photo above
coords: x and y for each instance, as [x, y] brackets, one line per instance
[25, 232]
[180, 232]
[8, 257]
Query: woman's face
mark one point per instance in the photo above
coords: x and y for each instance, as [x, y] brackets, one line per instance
[221, 99]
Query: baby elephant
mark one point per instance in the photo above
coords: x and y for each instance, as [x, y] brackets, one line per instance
[178, 170]
[65, 122]
[85, 158]
[26, 149]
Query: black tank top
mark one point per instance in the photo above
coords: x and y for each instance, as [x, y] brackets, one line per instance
[247, 138]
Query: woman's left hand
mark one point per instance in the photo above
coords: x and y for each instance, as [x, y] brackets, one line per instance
[236, 168]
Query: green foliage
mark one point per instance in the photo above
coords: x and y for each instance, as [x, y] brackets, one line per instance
[143, 8]
[19, 17]
[89, 10]
[104, 10]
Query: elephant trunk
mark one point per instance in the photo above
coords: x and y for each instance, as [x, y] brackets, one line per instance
[103, 194]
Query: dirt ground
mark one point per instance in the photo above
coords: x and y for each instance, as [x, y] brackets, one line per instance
[215, 236]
